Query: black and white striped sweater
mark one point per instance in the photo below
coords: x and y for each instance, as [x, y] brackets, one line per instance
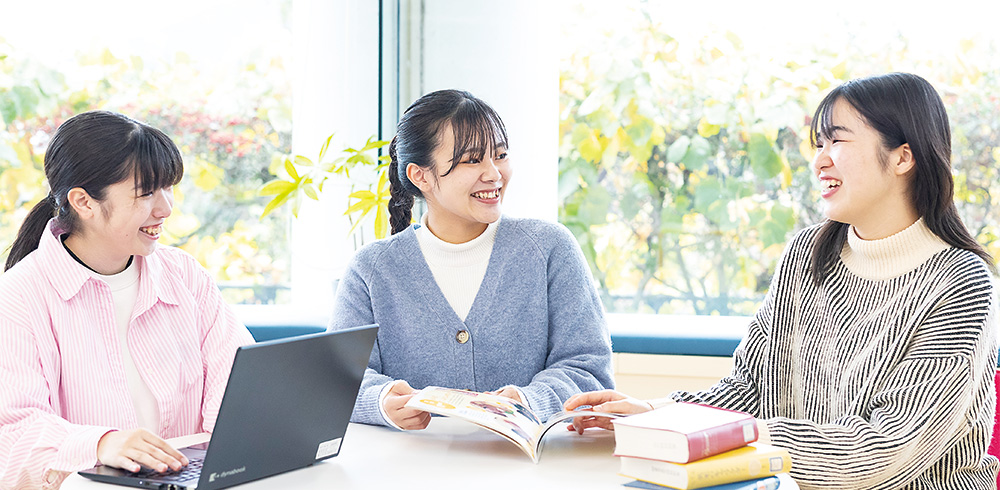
[881, 378]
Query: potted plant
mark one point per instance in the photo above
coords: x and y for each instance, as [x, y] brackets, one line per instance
[300, 176]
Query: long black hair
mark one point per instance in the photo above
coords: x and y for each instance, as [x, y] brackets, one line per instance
[904, 109]
[477, 129]
[94, 150]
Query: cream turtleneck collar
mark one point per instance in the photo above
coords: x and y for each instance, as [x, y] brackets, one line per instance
[891, 256]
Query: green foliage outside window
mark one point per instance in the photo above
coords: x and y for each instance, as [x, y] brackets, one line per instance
[685, 166]
[228, 151]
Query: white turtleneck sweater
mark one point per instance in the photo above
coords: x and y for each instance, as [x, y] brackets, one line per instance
[458, 268]
[882, 376]
[124, 292]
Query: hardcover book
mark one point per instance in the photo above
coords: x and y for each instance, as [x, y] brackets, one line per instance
[683, 432]
[769, 483]
[746, 463]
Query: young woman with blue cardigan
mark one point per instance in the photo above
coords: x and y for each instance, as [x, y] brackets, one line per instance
[467, 299]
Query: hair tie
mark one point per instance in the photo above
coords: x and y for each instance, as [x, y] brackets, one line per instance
[51, 199]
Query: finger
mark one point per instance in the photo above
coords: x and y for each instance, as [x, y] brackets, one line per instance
[416, 422]
[144, 458]
[592, 398]
[626, 407]
[162, 455]
[593, 422]
[124, 463]
[165, 452]
[401, 387]
[396, 402]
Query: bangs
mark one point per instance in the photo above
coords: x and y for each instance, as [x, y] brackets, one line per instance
[822, 122]
[477, 129]
[154, 160]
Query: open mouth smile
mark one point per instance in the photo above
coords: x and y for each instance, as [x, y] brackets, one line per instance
[152, 231]
[494, 194]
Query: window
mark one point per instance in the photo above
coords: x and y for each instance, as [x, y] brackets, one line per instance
[684, 152]
[215, 76]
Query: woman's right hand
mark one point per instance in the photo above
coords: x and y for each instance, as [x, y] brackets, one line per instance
[404, 418]
[609, 401]
[127, 449]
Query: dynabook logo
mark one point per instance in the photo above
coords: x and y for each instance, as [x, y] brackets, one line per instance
[213, 476]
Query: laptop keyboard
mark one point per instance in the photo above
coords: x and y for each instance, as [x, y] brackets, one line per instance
[190, 472]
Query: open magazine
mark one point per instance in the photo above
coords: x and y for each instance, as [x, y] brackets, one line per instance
[499, 414]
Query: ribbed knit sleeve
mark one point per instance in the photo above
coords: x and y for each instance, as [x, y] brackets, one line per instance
[353, 308]
[579, 343]
[873, 384]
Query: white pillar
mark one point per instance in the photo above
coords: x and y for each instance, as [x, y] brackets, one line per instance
[335, 90]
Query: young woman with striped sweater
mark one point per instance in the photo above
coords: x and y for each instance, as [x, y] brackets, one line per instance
[109, 343]
[873, 355]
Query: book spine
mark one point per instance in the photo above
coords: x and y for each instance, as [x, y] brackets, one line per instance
[716, 440]
[730, 470]
[707, 473]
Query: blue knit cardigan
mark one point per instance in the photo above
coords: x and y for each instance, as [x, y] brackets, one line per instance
[536, 322]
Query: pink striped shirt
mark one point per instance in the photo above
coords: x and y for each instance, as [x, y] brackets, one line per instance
[62, 384]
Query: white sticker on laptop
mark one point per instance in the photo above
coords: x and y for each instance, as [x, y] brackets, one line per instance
[328, 448]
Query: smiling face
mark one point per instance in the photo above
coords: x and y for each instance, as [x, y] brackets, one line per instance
[861, 182]
[126, 223]
[462, 202]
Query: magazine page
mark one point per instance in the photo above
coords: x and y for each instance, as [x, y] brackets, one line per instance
[497, 413]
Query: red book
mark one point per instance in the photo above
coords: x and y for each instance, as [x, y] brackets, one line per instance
[683, 432]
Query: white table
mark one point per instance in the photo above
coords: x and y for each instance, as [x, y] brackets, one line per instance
[450, 454]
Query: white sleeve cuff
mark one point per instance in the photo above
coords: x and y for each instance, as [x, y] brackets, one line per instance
[524, 399]
[660, 402]
[381, 404]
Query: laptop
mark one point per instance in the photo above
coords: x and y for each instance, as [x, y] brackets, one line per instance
[286, 406]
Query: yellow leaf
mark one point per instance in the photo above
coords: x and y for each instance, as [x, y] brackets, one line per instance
[291, 169]
[807, 150]
[276, 187]
[207, 175]
[326, 146]
[381, 222]
[369, 195]
[358, 222]
[840, 71]
[707, 130]
[271, 206]
[659, 135]
[362, 205]
[786, 172]
[277, 161]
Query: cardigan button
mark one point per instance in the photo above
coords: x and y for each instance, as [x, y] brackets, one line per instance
[462, 336]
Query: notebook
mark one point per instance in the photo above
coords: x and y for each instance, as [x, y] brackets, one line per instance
[287, 405]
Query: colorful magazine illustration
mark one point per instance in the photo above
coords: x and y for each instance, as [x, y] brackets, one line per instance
[499, 414]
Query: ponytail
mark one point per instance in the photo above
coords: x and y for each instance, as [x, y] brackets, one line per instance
[477, 129]
[400, 200]
[94, 150]
[31, 231]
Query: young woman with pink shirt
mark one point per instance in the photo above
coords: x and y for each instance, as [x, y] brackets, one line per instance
[110, 343]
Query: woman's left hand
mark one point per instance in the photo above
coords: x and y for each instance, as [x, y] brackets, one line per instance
[509, 392]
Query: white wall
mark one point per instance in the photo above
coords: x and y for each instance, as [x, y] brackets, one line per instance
[504, 53]
[335, 91]
[501, 52]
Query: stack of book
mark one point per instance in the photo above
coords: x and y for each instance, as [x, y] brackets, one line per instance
[688, 445]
